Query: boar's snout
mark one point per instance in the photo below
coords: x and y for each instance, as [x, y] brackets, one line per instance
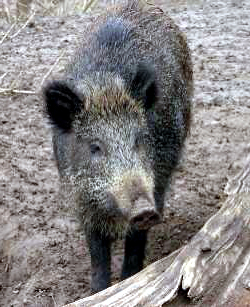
[144, 215]
[134, 198]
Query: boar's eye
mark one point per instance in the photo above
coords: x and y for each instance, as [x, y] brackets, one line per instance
[95, 150]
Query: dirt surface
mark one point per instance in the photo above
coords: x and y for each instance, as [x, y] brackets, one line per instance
[44, 260]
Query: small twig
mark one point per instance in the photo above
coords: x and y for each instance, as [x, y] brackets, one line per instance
[52, 67]
[7, 11]
[24, 25]
[6, 269]
[47, 9]
[39, 2]
[7, 91]
[88, 5]
[3, 76]
[7, 33]
[54, 301]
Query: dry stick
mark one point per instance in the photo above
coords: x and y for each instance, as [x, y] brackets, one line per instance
[6, 269]
[7, 33]
[25, 24]
[48, 9]
[7, 11]
[88, 5]
[53, 66]
[54, 301]
[6, 91]
[39, 3]
[3, 76]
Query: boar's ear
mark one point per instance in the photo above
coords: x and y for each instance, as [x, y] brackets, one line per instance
[143, 86]
[61, 104]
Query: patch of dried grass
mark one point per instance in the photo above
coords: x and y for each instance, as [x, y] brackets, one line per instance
[17, 10]
[62, 7]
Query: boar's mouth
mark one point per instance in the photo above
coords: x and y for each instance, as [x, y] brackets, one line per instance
[144, 214]
[140, 213]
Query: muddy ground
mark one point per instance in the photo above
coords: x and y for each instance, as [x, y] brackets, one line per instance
[43, 256]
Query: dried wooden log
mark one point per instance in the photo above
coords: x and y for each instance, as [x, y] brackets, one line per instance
[212, 270]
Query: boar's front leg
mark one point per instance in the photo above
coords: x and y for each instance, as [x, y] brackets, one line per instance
[134, 254]
[99, 246]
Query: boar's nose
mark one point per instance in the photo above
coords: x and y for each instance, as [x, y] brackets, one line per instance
[144, 215]
[132, 196]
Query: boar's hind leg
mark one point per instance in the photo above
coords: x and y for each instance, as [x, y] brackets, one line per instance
[135, 244]
[99, 246]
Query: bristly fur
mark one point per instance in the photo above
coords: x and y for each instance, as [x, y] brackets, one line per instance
[135, 61]
[105, 93]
